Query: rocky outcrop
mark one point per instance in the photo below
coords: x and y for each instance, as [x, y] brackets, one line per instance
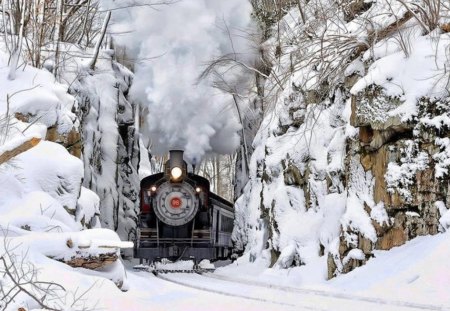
[110, 143]
[70, 139]
[13, 149]
[353, 153]
[402, 158]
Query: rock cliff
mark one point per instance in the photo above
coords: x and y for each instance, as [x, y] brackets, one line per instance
[353, 152]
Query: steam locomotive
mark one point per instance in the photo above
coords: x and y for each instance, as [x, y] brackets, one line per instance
[180, 218]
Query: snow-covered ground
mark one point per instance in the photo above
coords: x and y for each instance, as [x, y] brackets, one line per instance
[44, 207]
[416, 273]
[414, 276]
[411, 277]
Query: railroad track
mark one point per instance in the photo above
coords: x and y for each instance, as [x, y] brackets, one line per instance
[166, 278]
[288, 297]
[379, 301]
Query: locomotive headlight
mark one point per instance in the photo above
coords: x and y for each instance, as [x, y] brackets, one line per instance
[198, 189]
[176, 172]
[153, 188]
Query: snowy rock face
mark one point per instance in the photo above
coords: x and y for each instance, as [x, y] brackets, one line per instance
[35, 98]
[353, 151]
[110, 143]
[46, 214]
[41, 187]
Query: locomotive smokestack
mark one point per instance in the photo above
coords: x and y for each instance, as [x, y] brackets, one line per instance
[176, 158]
[176, 165]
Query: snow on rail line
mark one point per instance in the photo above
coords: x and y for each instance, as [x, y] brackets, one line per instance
[307, 299]
[380, 301]
[221, 292]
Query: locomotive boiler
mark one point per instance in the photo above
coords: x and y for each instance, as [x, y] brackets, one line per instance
[180, 218]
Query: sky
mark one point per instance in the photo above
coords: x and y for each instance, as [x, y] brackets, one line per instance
[173, 43]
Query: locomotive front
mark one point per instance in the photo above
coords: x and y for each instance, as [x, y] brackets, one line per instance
[176, 201]
[180, 218]
[174, 219]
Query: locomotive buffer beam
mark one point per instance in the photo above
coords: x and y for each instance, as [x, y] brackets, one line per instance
[164, 265]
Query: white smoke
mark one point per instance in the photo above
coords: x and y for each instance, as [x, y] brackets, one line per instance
[184, 113]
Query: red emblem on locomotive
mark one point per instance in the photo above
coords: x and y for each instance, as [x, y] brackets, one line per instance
[175, 202]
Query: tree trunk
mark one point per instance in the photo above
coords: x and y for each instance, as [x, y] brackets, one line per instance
[100, 40]
[18, 46]
[58, 30]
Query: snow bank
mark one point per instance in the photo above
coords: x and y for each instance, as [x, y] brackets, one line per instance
[414, 273]
[42, 187]
[37, 256]
[36, 95]
[61, 178]
[43, 205]
[398, 70]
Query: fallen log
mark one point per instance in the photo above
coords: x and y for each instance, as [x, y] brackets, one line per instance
[91, 262]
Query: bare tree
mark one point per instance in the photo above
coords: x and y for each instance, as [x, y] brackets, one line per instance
[427, 13]
[19, 280]
[17, 43]
[40, 28]
[219, 170]
[100, 40]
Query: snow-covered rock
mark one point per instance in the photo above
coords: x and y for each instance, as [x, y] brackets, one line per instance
[352, 153]
[43, 206]
[111, 149]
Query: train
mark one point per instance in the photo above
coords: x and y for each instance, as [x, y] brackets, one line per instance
[180, 218]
